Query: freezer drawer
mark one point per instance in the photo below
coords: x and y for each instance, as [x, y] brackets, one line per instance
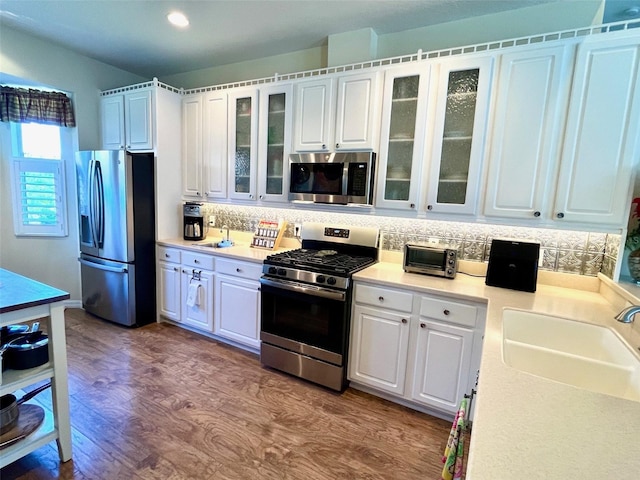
[108, 289]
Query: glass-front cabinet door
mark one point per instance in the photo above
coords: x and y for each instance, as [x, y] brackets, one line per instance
[243, 143]
[460, 120]
[274, 142]
[404, 113]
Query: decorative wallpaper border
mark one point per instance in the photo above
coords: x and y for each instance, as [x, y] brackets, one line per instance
[568, 251]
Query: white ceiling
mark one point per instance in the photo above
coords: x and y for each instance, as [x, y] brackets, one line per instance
[135, 36]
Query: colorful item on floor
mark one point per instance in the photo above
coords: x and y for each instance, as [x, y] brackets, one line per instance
[454, 451]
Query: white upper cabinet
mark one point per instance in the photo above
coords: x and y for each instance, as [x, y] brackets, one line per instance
[243, 143]
[192, 146]
[601, 139]
[215, 138]
[274, 142]
[336, 113]
[463, 86]
[204, 145]
[530, 106]
[127, 121]
[404, 110]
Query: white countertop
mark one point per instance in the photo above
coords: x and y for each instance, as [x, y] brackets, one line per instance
[525, 427]
[528, 427]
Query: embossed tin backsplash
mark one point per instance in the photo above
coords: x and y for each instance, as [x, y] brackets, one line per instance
[580, 253]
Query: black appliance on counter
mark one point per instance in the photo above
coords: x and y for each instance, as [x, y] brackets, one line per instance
[194, 225]
[306, 302]
[513, 264]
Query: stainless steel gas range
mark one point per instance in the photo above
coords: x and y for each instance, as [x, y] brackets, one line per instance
[306, 302]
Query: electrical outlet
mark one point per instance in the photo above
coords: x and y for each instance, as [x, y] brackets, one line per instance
[212, 220]
[297, 230]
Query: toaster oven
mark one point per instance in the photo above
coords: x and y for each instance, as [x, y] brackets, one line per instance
[428, 260]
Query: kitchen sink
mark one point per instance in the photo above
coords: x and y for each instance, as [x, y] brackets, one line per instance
[576, 353]
[206, 244]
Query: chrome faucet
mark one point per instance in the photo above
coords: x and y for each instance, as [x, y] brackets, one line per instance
[627, 315]
[224, 227]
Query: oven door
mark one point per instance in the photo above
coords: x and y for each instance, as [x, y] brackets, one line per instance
[305, 319]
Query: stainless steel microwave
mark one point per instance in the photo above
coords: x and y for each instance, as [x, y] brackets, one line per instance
[344, 178]
[441, 262]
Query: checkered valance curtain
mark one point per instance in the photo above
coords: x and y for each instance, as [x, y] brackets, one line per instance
[22, 105]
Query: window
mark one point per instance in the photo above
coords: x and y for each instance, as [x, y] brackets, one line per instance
[39, 199]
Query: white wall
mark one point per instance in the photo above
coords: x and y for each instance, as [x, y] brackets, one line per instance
[35, 62]
[514, 23]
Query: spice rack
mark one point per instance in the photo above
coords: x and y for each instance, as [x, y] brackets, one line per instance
[268, 234]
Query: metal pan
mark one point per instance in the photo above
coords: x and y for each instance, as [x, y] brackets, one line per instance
[10, 407]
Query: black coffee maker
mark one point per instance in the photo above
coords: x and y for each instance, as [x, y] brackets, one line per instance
[194, 226]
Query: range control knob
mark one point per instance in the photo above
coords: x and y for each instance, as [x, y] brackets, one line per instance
[273, 270]
[331, 281]
[282, 271]
[449, 272]
[451, 262]
[320, 278]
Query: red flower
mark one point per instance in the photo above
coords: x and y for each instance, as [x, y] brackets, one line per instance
[636, 213]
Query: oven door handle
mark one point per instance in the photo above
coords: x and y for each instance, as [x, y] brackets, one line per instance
[306, 289]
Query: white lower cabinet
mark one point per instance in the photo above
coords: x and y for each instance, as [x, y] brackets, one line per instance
[379, 345]
[197, 311]
[441, 369]
[237, 291]
[179, 273]
[422, 349]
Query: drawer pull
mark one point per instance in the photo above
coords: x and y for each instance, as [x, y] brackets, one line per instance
[446, 312]
[196, 261]
[381, 298]
[167, 255]
[176, 269]
[238, 270]
[423, 325]
[404, 320]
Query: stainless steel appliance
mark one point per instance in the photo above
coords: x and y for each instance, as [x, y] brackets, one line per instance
[194, 225]
[344, 178]
[306, 302]
[117, 235]
[428, 260]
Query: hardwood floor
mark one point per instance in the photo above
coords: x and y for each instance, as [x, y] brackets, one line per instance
[159, 402]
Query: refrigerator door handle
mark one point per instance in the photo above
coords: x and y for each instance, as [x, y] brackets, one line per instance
[100, 206]
[103, 267]
[92, 203]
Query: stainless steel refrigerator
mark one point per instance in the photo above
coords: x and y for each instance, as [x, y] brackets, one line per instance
[116, 210]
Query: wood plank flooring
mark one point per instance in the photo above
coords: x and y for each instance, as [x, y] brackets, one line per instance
[159, 402]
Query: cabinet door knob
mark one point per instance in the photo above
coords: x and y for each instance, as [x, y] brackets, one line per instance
[446, 312]
[423, 325]
[238, 270]
[536, 214]
[381, 298]
[167, 255]
[324, 147]
[429, 207]
[337, 145]
[198, 194]
[560, 215]
[176, 269]
[196, 261]
[404, 320]
[412, 205]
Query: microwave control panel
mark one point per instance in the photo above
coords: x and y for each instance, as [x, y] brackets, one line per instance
[336, 232]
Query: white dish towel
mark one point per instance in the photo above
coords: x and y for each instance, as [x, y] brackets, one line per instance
[193, 296]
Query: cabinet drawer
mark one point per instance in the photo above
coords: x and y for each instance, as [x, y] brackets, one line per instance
[204, 262]
[167, 254]
[448, 311]
[251, 271]
[384, 297]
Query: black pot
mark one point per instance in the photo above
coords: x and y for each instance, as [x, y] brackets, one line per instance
[27, 351]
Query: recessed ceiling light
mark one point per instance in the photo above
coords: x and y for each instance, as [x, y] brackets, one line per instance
[178, 19]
